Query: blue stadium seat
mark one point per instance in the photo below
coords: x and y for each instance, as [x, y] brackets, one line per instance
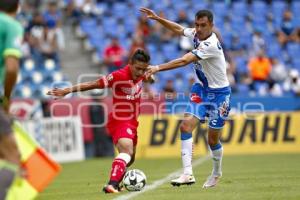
[240, 9]
[293, 49]
[296, 21]
[88, 25]
[120, 10]
[130, 24]
[157, 58]
[199, 4]
[274, 49]
[152, 48]
[295, 7]
[278, 7]
[243, 88]
[241, 65]
[170, 51]
[259, 9]
[181, 5]
[220, 9]
[296, 63]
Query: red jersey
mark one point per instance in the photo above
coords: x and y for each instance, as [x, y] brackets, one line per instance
[116, 53]
[126, 96]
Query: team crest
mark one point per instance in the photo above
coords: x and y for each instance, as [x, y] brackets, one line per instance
[110, 77]
[224, 109]
[129, 131]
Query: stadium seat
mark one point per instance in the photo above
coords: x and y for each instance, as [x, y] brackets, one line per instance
[50, 65]
[296, 63]
[170, 51]
[240, 9]
[259, 9]
[37, 77]
[243, 88]
[278, 7]
[220, 8]
[273, 49]
[29, 65]
[295, 7]
[88, 25]
[241, 65]
[293, 49]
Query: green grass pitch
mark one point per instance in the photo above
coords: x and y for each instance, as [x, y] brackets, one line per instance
[265, 177]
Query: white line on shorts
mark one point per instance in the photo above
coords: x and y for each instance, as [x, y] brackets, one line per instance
[160, 182]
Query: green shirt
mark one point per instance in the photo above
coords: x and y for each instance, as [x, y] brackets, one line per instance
[11, 37]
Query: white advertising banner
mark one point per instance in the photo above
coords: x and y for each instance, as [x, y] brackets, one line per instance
[61, 137]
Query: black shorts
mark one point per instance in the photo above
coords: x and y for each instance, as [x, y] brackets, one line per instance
[5, 123]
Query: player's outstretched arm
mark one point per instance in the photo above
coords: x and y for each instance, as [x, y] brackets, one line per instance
[173, 64]
[172, 26]
[60, 93]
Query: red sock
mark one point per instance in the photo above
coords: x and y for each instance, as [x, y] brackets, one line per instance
[118, 170]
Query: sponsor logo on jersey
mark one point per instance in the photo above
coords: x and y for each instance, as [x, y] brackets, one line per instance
[129, 131]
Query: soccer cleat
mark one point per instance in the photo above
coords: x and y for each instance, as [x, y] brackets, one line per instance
[184, 179]
[121, 187]
[110, 189]
[211, 181]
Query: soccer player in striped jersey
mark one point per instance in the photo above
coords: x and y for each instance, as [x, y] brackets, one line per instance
[209, 96]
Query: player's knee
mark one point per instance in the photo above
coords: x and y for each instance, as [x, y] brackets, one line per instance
[127, 149]
[185, 127]
[9, 150]
[212, 141]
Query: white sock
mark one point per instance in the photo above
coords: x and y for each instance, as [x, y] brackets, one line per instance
[217, 155]
[124, 156]
[187, 154]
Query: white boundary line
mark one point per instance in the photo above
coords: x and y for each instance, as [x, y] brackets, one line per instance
[160, 182]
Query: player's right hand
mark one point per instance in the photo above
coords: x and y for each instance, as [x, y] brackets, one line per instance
[58, 93]
[150, 13]
[150, 71]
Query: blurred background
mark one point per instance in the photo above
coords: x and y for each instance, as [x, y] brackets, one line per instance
[71, 41]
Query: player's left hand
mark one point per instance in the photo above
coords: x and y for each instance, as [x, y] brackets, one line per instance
[58, 93]
[150, 13]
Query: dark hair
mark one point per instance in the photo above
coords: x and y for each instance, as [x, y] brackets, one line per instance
[140, 55]
[205, 13]
[9, 6]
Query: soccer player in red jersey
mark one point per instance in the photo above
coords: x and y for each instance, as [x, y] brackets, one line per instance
[126, 84]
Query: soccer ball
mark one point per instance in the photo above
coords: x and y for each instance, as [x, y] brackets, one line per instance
[134, 180]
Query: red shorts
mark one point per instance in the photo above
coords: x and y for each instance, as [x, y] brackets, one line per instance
[119, 130]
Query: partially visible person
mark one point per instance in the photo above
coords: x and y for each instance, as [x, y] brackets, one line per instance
[126, 84]
[54, 16]
[136, 43]
[258, 42]
[103, 144]
[169, 90]
[212, 88]
[47, 43]
[279, 71]
[114, 55]
[184, 43]
[11, 35]
[292, 83]
[287, 29]
[259, 69]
